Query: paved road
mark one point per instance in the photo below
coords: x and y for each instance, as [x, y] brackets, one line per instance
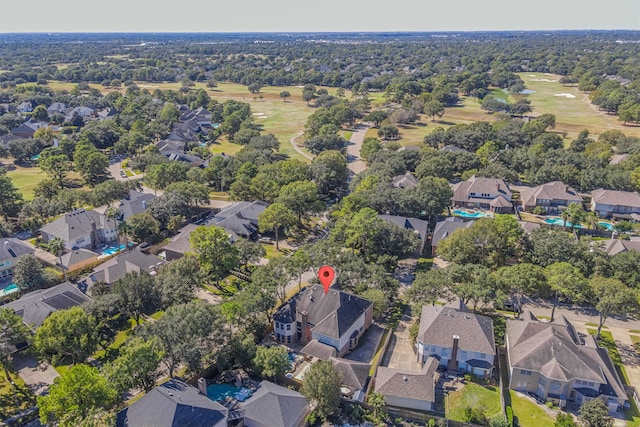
[354, 163]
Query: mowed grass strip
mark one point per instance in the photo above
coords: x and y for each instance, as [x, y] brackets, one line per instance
[473, 395]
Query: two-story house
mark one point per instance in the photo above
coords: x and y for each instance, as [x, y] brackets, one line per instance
[610, 203]
[81, 229]
[552, 197]
[11, 250]
[484, 193]
[334, 320]
[551, 361]
[460, 340]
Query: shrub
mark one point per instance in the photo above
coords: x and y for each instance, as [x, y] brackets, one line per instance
[509, 411]
[538, 210]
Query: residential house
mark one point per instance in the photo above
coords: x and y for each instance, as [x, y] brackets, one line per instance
[25, 107]
[201, 116]
[82, 111]
[272, 405]
[185, 131]
[618, 204]
[117, 267]
[240, 219]
[418, 226]
[81, 229]
[57, 108]
[5, 140]
[28, 128]
[409, 389]
[78, 259]
[483, 193]
[36, 306]
[333, 319]
[174, 403]
[444, 229]
[11, 250]
[404, 181]
[462, 341]
[552, 197]
[551, 361]
[135, 203]
[355, 377]
[180, 243]
[615, 246]
[107, 113]
[529, 227]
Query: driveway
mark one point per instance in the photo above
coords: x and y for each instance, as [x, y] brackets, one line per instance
[38, 376]
[400, 354]
[368, 345]
[354, 163]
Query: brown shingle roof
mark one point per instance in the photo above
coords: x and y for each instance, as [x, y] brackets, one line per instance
[555, 190]
[616, 198]
[409, 384]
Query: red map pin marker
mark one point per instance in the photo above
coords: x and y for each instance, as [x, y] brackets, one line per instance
[326, 275]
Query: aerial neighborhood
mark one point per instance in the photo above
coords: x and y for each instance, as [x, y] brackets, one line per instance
[348, 230]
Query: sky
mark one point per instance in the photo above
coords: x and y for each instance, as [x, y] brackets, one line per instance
[314, 15]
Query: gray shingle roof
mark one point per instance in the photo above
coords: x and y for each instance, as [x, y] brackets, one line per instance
[11, 248]
[354, 374]
[136, 203]
[439, 324]
[419, 225]
[74, 224]
[409, 384]
[180, 243]
[116, 268]
[36, 306]
[173, 404]
[444, 229]
[555, 190]
[78, 255]
[319, 350]
[404, 181]
[240, 218]
[616, 198]
[552, 349]
[615, 246]
[275, 406]
[332, 314]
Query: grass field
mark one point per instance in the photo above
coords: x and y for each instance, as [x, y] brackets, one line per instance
[25, 179]
[14, 399]
[528, 413]
[485, 398]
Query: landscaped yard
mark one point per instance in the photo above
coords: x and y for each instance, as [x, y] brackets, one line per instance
[528, 413]
[14, 399]
[26, 179]
[485, 398]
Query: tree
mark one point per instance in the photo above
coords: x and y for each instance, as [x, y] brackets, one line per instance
[137, 293]
[215, 252]
[271, 361]
[575, 214]
[75, 396]
[194, 192]
[565, 420]
[56, 247]
[28, 273]
[65, 333]
[611, 296]
[377, 402]
[142, 226]
[387, 132]
[90, 163]
[249, 251]
[520, 280]
[329, 171]
[13, 331]
[11, 197]
[565, 281]
[284, 95]
[594, 413]
[434, 108]
[177, 281]
[377, 117]
[275, 217]
[254, 87]
[322, 387]
[362, 229]
[428, 287]
[55, 163]
[301, 197]
[369, 146]
[40, 113]
[137, 365]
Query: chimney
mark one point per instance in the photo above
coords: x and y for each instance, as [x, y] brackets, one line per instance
[144, 204]
[202, 386]
[453, 362]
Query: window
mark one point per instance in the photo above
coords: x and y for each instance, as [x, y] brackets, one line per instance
[525, 372]
[288, 327]
[555, 386]
[445, 352]
[482, 355]
[463, 355]
[433, 349]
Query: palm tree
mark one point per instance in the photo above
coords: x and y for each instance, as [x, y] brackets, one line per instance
[376, 401]
[124, 229]
[113, 214]
[592, 220]
[56, 247]
[565, 217]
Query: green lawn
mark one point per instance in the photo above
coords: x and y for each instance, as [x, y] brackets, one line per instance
[473, 395]
[26, 179]
[528, 413]
[14, 399]
[112, 350]
[271, 251]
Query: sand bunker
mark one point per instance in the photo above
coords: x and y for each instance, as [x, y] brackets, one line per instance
[531, 75]
[565, 95]
[544, 80]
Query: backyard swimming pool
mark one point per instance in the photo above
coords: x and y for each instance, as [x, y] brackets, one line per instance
[560, 222]
[606, 225]
[219, 392]
[466, 214]
[9, 290]
[112, 250]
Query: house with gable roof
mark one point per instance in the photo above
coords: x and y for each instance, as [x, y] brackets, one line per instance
[11, 250]
[552, 361]
[81, 229]
[419, 226]
[334, 320]
[462, 341]
[272, 405]
[552, 197]
[617, 204]
[409, 389]
[408, 180]
[484, 193]
[444, 229]
[240, 219]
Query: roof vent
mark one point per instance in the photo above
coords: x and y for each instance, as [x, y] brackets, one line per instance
[404, 378]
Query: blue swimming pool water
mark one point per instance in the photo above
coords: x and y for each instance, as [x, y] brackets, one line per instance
[466, 214]
[9, 290]
[113, 249]
[527, 91]
[560, 221]
[606, 225]
[219, 392]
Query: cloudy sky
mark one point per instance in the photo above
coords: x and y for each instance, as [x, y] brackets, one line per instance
[314, 15]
